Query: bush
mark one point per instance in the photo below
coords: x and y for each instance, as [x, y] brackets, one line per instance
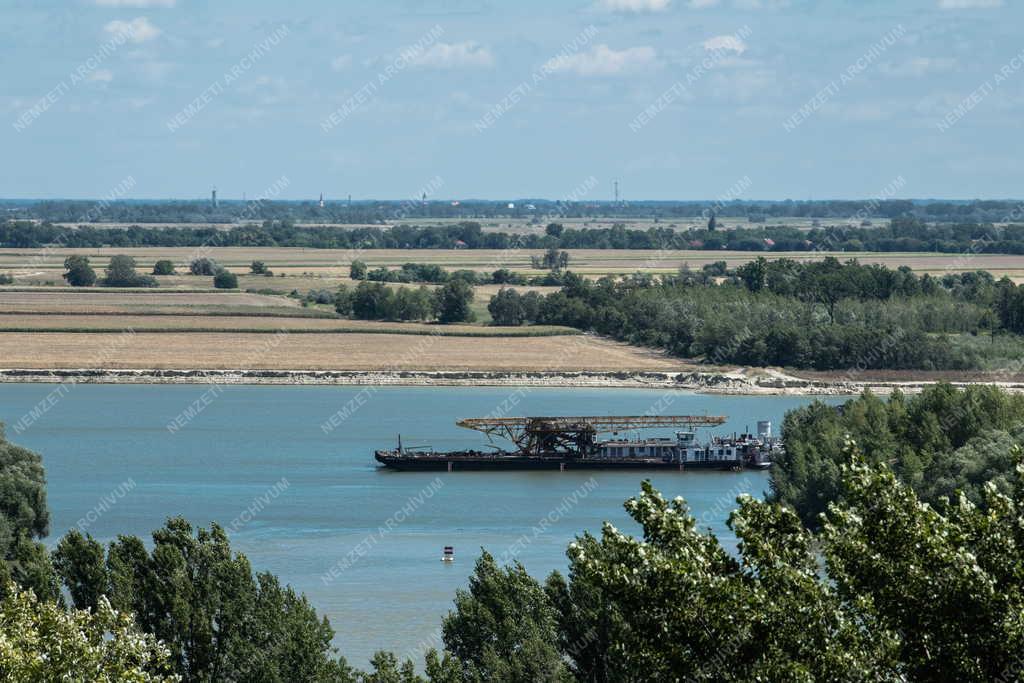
[260, 268]
[6, 279]
[357, 271]
[163, 267]
[225, 280]
[121, 273]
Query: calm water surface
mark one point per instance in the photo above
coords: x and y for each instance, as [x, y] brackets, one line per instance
[332, 499]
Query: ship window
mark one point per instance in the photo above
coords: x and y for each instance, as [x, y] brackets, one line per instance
[632, 450]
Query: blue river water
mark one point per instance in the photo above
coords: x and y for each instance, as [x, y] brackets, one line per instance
[305, 500]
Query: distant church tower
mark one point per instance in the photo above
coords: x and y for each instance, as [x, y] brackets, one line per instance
[213, 198]
[321, 200]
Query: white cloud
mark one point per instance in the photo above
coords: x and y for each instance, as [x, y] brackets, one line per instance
[341, 63]
[135, 3]
[138, 30]
[601, 60]
[452, 55]
[970, 4]
[733, 43]
[101, 76]
[702, 4]
[634, 5]
[919, 66]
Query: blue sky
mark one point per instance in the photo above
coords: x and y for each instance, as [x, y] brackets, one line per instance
[676, 99]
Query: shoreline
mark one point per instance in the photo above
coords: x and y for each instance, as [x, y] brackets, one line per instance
[736, 383]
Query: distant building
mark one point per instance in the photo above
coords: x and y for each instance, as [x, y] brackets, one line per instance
[213, 198]
[321, 200]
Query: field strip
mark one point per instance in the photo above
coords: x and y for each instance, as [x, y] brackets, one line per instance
[98, 324]
[320, 351]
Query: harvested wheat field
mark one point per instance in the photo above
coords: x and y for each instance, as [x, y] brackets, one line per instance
[74, 298]
[40, 265]
[228, 323]
[200, 351]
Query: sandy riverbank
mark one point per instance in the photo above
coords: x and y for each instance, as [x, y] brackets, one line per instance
[703, 382]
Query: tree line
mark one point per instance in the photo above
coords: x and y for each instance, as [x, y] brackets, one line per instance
[901, 234]
[823, 315]
[362, 212]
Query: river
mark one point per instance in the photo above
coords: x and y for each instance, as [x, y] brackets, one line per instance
[305, 500]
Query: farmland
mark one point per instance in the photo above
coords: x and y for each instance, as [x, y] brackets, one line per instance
[186, 324]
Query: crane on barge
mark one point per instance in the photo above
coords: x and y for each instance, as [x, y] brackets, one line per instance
[574, 437]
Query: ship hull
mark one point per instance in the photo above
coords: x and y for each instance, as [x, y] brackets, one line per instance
[462, 463]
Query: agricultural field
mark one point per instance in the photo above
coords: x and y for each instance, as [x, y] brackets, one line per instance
[186, 324]
[302, 269]
[324, 351]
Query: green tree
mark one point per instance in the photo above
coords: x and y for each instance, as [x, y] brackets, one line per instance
[163, 267]
[24, 518]
[452, 302]
[506, 308]
[219, 620]
[40, 642]
[121, 273]
[504, 628]
[343, 301]
[357, 271]
[225, 279]
[79, 272]
[372, 301]
[203, 266]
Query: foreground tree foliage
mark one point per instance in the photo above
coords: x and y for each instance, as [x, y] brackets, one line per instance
[41, 642]
[891, 589]
[219, 621]
[24, 518]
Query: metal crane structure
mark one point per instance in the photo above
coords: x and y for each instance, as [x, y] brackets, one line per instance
[574, 436]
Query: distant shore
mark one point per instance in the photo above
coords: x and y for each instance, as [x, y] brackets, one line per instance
[702, 382]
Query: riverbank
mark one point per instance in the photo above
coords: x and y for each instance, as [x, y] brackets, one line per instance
[741, 382]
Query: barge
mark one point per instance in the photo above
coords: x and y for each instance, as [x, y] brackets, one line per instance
[563, 443]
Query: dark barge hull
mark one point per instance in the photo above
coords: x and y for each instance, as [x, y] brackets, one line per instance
[459, 462]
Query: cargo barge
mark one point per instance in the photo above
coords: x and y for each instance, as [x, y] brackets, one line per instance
[563, 443]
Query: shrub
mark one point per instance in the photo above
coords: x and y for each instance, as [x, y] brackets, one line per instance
[203, 266]
[225, 279]
[163, 267]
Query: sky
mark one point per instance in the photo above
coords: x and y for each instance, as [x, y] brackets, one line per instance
[460, 99]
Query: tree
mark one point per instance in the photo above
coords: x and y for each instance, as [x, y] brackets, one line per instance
[163, 267]
[40, 642]
[343, 301]
[371, 301]
[357, 271]
[203, 266]
[225, 279]
[79, 272]
[504, 628]
[754, 274]
[941, 442]
[554, 230]
[506, 308]
[712, 223]
[24, 518]
[259, 268]
[121, 273]
[218, 619]
[452, 302]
